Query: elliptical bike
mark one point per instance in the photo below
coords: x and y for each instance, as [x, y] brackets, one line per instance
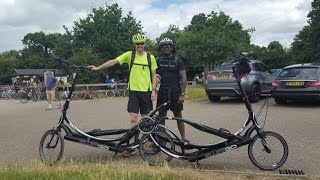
[267, 150]
[51, 146]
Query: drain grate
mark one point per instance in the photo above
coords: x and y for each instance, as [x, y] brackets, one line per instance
[291, 172]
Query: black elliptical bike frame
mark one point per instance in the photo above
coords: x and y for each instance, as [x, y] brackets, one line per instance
[53, 139]
[157, 133]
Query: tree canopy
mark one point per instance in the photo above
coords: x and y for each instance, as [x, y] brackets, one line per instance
[207, 41]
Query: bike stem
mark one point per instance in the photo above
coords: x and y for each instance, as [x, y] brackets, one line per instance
[67, 102]
[245, 99]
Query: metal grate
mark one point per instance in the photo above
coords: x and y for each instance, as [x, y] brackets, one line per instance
[291, 172]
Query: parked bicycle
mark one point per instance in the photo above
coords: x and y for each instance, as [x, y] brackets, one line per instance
[266, 149]
[123, 92]
[65, 94]
[28, 94]
[52, 143]
[8, 92]
[88, 94]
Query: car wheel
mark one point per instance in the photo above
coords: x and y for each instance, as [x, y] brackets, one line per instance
[214, 98]
[280, 100]
[255, 93]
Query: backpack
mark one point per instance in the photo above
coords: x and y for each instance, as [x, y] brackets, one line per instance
[133, 55]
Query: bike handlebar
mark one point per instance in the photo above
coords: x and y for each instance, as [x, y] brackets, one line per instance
[73, 66]
[240, 65]
[242, 57]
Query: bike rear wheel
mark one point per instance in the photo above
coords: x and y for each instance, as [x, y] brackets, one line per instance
[51, 147]
[96, 95]
[151, 152]
[23, 97]
[269, 152]
[110, 94]
[124, 93]
[82, 95]
[34, 97]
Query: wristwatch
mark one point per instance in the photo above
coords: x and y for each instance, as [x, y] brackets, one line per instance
[182, 94]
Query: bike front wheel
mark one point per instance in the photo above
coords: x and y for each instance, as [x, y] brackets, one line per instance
[124, 93]
[268, 152]
[153, 145]
[51, 147]
[34, 97]
[110, 94]
[23, 97]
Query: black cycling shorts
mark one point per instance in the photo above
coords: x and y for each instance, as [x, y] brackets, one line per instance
[163, 96]
[139, 102]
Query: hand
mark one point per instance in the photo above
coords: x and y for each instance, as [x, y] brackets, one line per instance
[181, 99]
[93, 68]
[153, 95]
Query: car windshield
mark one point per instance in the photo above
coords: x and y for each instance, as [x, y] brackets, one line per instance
[298, 72]
[225, 67]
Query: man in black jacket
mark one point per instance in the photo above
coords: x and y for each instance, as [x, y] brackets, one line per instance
[173, 82]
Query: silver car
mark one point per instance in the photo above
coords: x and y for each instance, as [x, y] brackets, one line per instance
[220, 83]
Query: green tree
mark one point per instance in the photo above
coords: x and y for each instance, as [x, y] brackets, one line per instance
[212, 39]
[306, 44]
[9, 61]
[275, 55]
[107, 34]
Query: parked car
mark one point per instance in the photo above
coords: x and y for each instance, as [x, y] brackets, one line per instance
[299, 81]
[276, 72]
[220, 83]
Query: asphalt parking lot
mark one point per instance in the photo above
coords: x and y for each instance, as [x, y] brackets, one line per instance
[22, 125]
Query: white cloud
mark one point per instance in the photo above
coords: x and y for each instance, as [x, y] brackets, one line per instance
[273, 20]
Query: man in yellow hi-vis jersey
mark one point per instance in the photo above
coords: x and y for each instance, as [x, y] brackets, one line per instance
[142, 79]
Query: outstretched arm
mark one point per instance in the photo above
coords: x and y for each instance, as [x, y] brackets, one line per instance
[105, 65]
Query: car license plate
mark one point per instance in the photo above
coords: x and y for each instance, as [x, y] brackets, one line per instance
[295, 83]
[222, 76]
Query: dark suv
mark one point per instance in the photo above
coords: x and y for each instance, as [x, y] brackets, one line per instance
[220, 83]
[299, 81]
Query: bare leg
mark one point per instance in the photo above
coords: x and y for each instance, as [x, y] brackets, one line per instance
[133, 119]
[163, 114]
[180, 125]
[49, 98]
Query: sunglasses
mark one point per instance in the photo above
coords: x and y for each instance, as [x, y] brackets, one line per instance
[137, 44]
[166, 46]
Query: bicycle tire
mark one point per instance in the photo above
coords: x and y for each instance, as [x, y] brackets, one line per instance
[96, 95]
[34, 97]
[55, 139]
[82, 95]
[75, 96]
[124, 93]
[23, 97]
[156, 156]
[110, 94]
[268, 156]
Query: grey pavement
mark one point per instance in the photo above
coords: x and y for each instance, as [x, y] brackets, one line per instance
[22, 126]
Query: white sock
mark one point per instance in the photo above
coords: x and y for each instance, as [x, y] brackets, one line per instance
[49, 106]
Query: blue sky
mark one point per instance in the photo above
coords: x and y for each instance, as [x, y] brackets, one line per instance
[162, 4]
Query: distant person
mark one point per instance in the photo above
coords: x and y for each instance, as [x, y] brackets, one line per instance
[16, 85]
[51, 85]
[196, 78]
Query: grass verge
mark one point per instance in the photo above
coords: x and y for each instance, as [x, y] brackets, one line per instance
[195, 93]
[117, 170]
